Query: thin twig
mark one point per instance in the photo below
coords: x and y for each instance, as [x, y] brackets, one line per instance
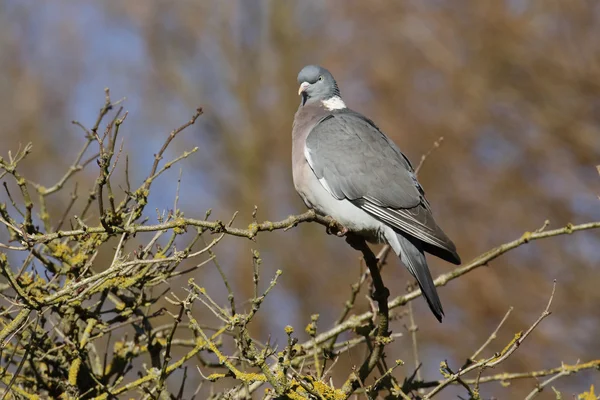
[424, 157]
[540, 387]
[413, 328]
[492, 336]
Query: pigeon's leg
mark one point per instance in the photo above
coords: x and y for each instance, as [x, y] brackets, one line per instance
[335, 228]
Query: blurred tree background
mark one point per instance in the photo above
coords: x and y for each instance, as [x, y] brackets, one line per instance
[513, 86]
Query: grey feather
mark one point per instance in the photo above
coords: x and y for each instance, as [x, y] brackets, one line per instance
[358, 161]
[413, 257]
[354, 160]
[417, 222]
[346, 168]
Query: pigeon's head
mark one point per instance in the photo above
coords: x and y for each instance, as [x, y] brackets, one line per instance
[317, 84]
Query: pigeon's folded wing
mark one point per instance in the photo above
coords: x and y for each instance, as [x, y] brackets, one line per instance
[354, 160]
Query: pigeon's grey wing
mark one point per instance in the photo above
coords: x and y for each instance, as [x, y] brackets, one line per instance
[417, 222]
[354, 160]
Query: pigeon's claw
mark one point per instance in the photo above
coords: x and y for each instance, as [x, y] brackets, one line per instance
[335, 228]
[341, 231]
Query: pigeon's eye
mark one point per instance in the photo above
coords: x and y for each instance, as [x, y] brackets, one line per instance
[320, 77]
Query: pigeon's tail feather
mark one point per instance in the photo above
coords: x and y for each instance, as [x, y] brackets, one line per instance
[411, 252]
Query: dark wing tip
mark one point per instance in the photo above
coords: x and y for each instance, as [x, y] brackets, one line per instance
[457, 260]
[435, 307]
[450, 255]
[445, 254]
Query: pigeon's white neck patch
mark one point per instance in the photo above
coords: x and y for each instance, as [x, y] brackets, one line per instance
[334, 103]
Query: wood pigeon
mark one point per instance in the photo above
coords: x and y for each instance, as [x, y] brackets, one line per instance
[345, 167]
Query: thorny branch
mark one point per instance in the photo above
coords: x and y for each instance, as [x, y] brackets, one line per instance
[62, 308]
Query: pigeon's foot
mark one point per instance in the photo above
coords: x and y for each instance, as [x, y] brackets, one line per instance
[335, 228]
[342, 231]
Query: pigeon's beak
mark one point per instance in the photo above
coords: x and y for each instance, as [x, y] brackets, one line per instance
[303, 87]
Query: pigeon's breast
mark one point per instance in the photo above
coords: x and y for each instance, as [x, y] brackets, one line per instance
[313, 193]
[315, 196]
